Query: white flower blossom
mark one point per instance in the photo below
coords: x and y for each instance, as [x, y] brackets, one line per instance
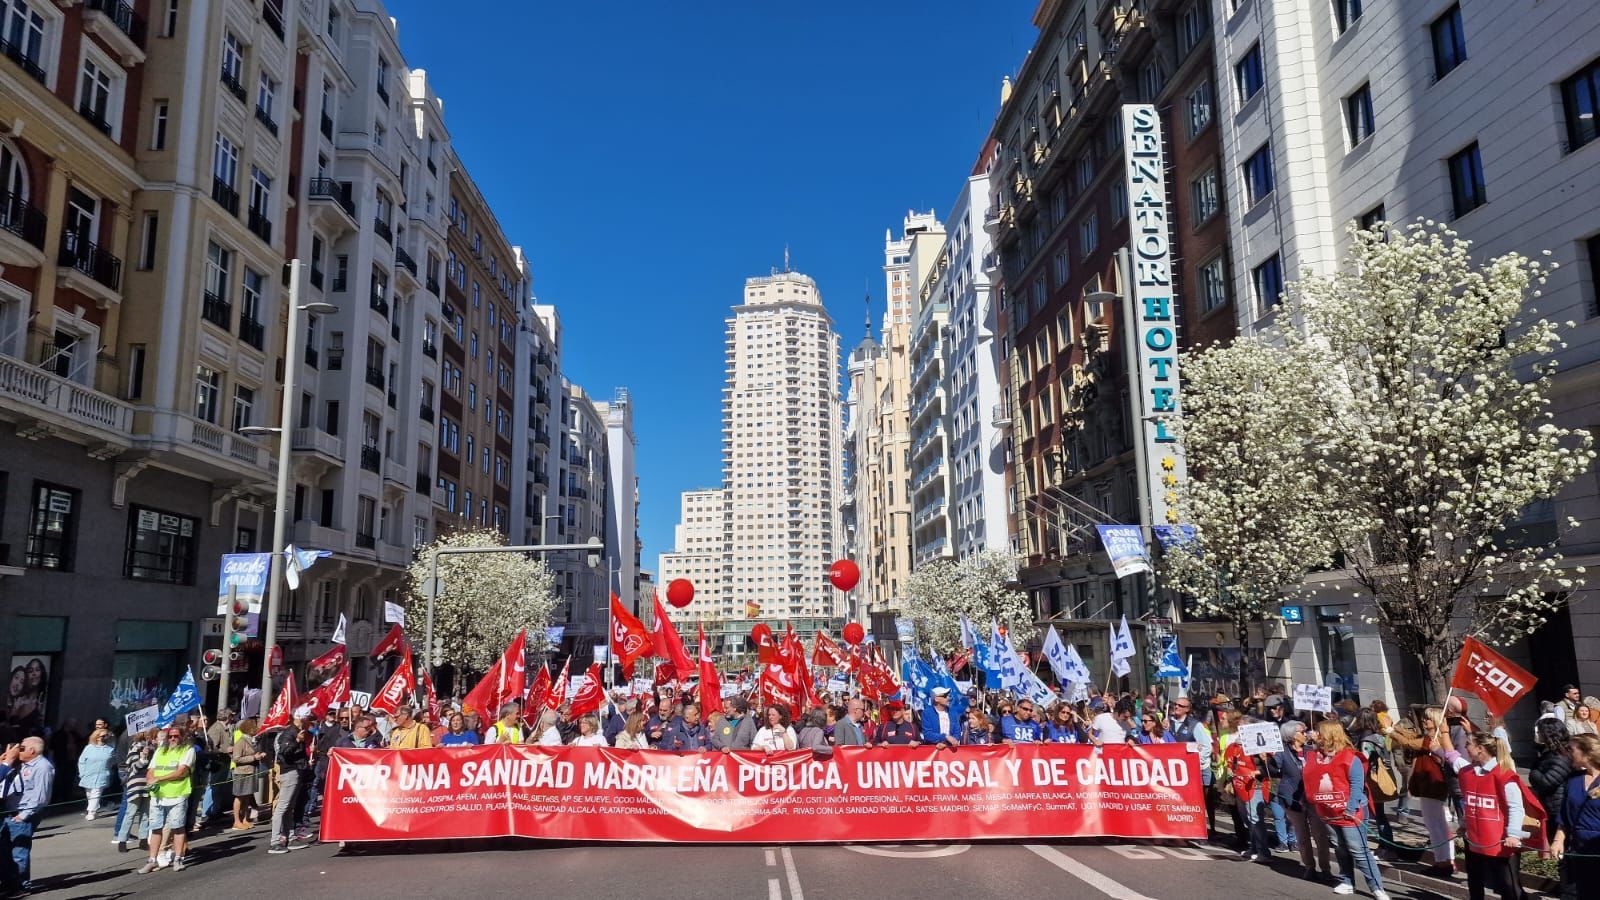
[487, 599]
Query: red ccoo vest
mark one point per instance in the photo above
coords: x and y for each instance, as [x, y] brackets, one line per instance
[1327, 785]
[1485, 798]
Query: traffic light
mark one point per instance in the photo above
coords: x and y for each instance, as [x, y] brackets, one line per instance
[212, 669]
[593, 554]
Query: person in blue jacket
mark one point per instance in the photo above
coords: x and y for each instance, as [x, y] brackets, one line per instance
[940, 724]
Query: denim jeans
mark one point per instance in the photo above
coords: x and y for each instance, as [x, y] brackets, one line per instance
[122, 811]
[1280, 822]
[135, 823]
[1350, 848]
[16, 850]
[1254, 811]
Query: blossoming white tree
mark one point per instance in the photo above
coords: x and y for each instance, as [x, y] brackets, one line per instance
[978, 587]
[487, 599]
[1427, 376]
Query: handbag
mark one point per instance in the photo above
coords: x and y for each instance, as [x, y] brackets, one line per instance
[1427, 778]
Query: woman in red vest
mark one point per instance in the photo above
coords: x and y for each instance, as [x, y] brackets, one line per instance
[1335, 782]
[1251, 790]
[1494, 809]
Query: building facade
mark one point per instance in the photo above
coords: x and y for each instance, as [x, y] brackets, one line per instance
[622, 497]
[582, 507]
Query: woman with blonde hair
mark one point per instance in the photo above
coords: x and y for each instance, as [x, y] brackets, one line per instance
[246, 780]
[1335, 780]
[589, 733]
[94, 769]
[1429, 784]
[631, 737]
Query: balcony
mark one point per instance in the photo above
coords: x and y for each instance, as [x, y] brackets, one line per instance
[259, 225]
[310, 357]
[578, 493]
[541, 437]
[225, 195]
[252, 332]
[424, 483]
[393, 554]
[433, 285]
[404, 261]
[366, 541]
[231, 82]
[430, 349]
[95, 117]
[319, 442]
[316, 276]
[217, 311]
[382, 229]
[439, 497]
[371, 458]
[375, 377]
[1001, 417]
[28, 62]
[543, 358]
[265, 118]
[309, 534]
[394, 471]
[577, 462]
[215, 452]
[56, 404]
[379, 305]
[22, 228]
[89, 268]
[425, 413]
[332, 205]
[327, 125]
[122, 29]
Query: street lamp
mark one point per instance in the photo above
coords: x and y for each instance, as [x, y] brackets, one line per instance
[280, 519]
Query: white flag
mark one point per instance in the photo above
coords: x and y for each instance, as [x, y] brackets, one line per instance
[1120, 667]
[394, 612]
[1188, 668]
[338, 630]
[969, 637]
[1122, 641]
[1064, 659]
[1009, 663]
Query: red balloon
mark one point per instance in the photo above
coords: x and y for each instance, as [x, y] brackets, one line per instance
[679, 592]
[854, 633]
[844, 574]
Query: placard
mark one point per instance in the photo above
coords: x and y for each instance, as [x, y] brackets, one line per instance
[1313, 698]
[361, 699]
[1260, 737]
[142, 720]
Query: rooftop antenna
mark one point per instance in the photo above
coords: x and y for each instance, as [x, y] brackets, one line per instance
[867, 302]
[786, 268]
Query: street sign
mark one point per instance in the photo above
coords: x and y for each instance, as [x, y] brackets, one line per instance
[1294, 614]
[432, 588]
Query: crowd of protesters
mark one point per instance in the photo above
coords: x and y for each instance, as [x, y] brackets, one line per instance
[1332, 794]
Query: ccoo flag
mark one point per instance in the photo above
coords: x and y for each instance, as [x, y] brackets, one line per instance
[1497, 681]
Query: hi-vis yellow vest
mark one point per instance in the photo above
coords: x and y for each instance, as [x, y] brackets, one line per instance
[165, 762]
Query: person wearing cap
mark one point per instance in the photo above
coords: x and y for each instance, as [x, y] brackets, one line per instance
[505, 730]
[939, 724]
[170, 780]
[896, 728]
[294, 751]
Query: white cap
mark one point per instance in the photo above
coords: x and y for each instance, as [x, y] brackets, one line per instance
[941, 692]
[304, 711]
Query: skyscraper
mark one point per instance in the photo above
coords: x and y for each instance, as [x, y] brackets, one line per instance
[780, 458]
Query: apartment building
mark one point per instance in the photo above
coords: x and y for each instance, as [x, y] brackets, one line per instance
[582, 506]
[929, 486]
[538, 360]
[623, 547]
[1059, 211]
[1477, 113]
[859, 462]
[699, 544]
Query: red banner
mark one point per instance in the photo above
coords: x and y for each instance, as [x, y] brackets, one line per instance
[1497, 681]
[901, 794]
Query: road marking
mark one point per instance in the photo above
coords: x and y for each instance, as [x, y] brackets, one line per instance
[1084, 873]
[1129, 851]
[794, 877]
[890, 851]
[772, 858]
[773, 891]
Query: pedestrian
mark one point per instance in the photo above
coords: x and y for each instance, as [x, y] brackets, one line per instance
[1430, 785]
[549, 728]
[1308, 833]
[456, 734]
[978, 731]
[940, 725]
[246, 759]
[1494, 815]
[171, 780]
[295, 747]
[26, 780]
[896, 728]
[737, 729]
[685, 731]
[1022, 728]
[614, 715]
[1335, 782]
[363, 734]
[847, 732]
[811, 735]
[1251, 785]
[329, 734]
[631, 737]
[776, 735]
[1585, 721]
[1367, 737]
[135, 822]
[1577, 842]
[94, 770]
[1112, 726]
[1151, 731]
[1567, 708]
[407, 733]
[1062, 726]
[589, 734]
[1188, 729]
[1548, 777]
[505, 730]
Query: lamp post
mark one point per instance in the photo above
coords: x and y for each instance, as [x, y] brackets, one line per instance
[293, 342]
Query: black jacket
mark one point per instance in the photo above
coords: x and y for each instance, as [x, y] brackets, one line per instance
[293, 750]
[1548, 780]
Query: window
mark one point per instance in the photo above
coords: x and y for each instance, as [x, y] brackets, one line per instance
[1152, 78]
[1345, 13]
[1089, 234]
[1466, 181]
[1249, 75]
[267, 99]
[1592, 251]
[1199, 103]
[1372, 218]
[250, 302]
[244, 406]
[218, 262]
[162, 546]
[1062, 268]
[1268, 280]
[1213, 285]
[1194, 23]
[225, 165]
[1358, 115]
[135, 372]
[233, 61]
[1449, 42]
[1204, 200]
[260, 192]
[1580, 97]
[98, 93]
[1258, 177]
[207, 394]
[379, 133]
[23, 29]
[148, 236]
[158, 125]
[52, 527]
[169, 22]
[1119, 201]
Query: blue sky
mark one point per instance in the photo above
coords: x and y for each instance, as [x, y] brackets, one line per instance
[649, 155]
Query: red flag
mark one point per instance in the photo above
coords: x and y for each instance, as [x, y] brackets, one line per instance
[590, 695]
[795, 656]
[710, 681]
[538, 692]
[558, 691]
[778, 689]
[766, 646]
[629, 639]
[1497, 681]
[668, 644]
[281, 713]
[391, 643]
[430, 697]
[327, 665]
[333, 692]
[827, 653]
[958, 662]
[399, 689]
[506, 680]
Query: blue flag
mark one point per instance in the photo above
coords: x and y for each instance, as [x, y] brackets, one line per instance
[184, 698]
[1171, 665]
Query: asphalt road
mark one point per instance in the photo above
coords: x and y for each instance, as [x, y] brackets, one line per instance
[75, 860]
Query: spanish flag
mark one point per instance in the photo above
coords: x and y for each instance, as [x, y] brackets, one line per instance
[752, 609]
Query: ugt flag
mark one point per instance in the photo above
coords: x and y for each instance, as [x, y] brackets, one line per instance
[1497, 681]
[185, 696]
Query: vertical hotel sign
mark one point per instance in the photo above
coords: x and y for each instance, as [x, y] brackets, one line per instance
[1155, 309]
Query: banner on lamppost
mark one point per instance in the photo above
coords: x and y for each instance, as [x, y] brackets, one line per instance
[1125, 545]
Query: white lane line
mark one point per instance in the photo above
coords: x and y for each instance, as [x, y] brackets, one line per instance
[774, 892]
[1085, 874]
[772, 858]
[794, 877]
[893, 851]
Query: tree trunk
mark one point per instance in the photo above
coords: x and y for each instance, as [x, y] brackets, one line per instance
[1242, 632]
[1436, 671]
